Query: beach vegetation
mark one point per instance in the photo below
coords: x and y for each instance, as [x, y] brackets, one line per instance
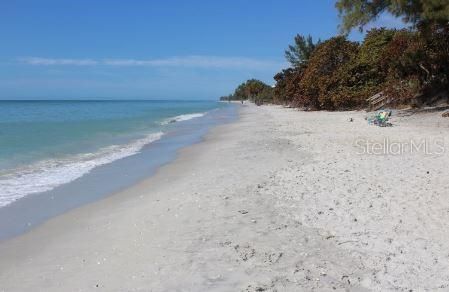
[299, 53]
[358, 13]
[253, 90]
[408, 66]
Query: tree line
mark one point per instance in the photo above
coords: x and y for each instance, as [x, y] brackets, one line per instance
[409, 65]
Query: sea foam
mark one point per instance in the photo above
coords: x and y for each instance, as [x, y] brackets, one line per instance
[47, 174]
[182, 118]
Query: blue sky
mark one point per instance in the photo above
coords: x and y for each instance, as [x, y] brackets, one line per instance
[57, 49]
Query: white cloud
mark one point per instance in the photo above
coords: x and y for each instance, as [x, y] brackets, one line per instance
[48, 62]
[197, 61]
[187, 61]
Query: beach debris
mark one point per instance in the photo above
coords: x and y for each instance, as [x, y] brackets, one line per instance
[445, 114]
[226, 243]
[347, 279]
[260, 288]
[273, 258]
[245, 252]
[243, 212]
[351, 120]
[347, 241]
[380, 119]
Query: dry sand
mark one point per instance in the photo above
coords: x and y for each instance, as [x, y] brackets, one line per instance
[280, 200]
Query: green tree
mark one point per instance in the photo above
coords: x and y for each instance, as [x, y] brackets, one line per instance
[358, 13]
[365, 74]
[374, 44]
[254, 90]
[323, 73]
[417, 64]
[299, 53]
[287, 90]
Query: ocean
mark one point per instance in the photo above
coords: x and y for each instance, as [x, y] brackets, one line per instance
[47, 144]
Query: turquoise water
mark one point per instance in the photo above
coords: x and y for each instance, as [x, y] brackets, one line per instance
[44, 144]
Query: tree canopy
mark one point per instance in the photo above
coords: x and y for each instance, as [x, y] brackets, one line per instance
[254, 90]
[300, 52]
[358, 13]
[322, 73]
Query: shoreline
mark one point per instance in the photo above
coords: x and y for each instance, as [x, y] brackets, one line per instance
[277, 200]
[104, 180]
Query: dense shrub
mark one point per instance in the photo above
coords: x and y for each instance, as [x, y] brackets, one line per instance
[417, 64]
[287, 89]
[406, 65]
[362, 76]
[409, 66]
[436, 60]
[322, 75]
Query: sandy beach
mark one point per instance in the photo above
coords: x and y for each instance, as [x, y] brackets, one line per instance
[280, 200]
